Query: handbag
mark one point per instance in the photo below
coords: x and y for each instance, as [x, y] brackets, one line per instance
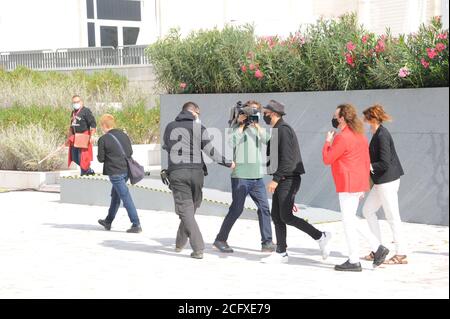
[81, 140]
[136, 171]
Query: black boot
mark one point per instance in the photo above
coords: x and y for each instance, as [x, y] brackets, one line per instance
[105, 224]
[348, 266]
[380, 255]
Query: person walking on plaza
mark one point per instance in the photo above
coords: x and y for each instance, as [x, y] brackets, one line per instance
[184, 140]
[82, 123]
[348, 154]
[286, 166]
[111, 148]
[385, 173]
[247, 179]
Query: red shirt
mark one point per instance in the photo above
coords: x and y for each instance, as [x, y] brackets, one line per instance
[349, 158]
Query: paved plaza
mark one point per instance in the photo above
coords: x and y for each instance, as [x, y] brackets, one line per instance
[54, 250]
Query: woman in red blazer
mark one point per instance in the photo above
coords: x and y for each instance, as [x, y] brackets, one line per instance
[348, 154]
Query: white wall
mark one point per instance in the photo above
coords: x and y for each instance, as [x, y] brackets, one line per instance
[42, 24]
[284, 16]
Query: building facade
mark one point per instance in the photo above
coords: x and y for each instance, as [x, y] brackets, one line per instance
[57, 24]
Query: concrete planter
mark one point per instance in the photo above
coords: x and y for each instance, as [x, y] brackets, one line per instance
[420, 131]
[33, 180]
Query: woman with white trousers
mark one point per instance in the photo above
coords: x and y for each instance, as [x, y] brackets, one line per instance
[385, 173]
[348, 154]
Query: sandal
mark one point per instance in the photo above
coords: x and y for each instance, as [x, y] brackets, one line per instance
[397, 260]
[369, 257]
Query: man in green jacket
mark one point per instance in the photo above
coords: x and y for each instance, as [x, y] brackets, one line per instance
[247, 179]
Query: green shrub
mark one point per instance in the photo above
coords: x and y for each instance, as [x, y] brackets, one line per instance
[329, 55]
[21, 148]
[142, 124]
[55, 89]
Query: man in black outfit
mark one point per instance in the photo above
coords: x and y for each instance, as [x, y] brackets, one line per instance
[285, 165]
[184, 140]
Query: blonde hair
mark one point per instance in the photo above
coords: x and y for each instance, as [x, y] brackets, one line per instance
[377, 113]
[108, 121]
[350, 115]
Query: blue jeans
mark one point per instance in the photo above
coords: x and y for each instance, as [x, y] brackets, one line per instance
[119, 192]
[76, 157]
[257, 191]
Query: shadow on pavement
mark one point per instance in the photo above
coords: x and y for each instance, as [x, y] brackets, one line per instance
[167, 248]
[82, 227]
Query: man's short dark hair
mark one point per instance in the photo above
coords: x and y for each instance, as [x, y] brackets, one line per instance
[190, 106]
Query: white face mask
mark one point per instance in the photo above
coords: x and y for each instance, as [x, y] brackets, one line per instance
[198, 121]
[76, 106]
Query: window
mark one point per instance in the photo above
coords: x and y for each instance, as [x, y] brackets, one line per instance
[91, 34]
[108, 36]
[119, 10]
[130, 35]
[90, 9]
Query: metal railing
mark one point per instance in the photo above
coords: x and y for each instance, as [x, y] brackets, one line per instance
[72, 58]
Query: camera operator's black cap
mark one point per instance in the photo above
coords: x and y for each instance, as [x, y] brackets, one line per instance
[276, 107]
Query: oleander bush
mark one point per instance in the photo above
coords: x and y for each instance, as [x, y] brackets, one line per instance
[328, 55]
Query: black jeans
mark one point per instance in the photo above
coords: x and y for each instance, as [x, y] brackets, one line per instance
[186, 186]
[282, 203]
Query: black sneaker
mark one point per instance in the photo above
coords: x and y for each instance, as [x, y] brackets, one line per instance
[348, 266]
[223, 246]
[268, 247]
[135, 229]
[105, 224]
[380, 256]
[197, 254]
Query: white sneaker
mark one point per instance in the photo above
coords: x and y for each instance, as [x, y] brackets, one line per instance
[323, 242]
[276, 258]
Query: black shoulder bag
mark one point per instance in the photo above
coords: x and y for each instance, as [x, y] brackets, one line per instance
[135, 171]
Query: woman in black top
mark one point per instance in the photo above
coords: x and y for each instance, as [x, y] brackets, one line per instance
[385, 173]
[110, 153]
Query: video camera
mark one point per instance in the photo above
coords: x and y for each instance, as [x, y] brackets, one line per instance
[252, 114]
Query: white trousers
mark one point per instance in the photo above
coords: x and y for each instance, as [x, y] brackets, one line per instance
[386, 196]
[349, 206]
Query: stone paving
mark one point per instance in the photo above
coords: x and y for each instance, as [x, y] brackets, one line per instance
[54, 250]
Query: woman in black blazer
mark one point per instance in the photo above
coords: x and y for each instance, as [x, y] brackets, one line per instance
[385, 170]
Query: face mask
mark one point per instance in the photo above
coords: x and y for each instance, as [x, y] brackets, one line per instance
[267, 119]
[76, 106]
[334, 122]
[197, 120]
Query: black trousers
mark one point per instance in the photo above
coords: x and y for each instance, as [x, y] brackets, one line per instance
[186, 186]
[282, 203]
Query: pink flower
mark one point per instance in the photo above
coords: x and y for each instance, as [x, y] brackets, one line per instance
[442, 36]
[431, 53]
[259, 74]
[350, 46]
[243, 68]
[425, 64]
[349, 59]
[183, 85]
[364, 38]
[403, 72]
[381, 46]
[440, 47]
[252, 67]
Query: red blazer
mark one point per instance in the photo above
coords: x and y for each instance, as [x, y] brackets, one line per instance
[350, 161]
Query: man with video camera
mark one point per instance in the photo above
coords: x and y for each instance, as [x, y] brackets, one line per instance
[247, 178]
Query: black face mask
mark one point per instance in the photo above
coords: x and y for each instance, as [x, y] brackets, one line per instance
[334, 122]
[267, 119]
